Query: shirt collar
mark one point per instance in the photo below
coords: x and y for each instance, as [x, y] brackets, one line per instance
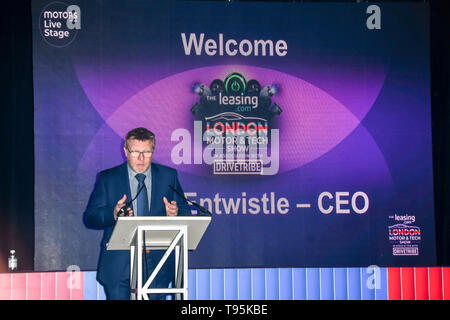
[132, 174]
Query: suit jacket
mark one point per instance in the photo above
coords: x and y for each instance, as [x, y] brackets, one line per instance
[110, 187]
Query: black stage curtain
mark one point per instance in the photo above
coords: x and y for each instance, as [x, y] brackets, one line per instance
[440, 114]
[17, 159]
[16, 109]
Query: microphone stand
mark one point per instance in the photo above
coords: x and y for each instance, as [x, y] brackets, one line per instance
[120, 214]
[127, 205]
[199, 207]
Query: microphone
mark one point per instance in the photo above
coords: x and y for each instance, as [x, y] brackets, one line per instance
[199, 207]
[127, 205]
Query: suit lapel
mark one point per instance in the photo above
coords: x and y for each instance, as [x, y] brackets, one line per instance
[125, 182]
[155, 196]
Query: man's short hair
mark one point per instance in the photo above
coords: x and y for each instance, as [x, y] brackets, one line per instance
[141, 134]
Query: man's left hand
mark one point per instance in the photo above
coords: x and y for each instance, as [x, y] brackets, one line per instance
[171, 207]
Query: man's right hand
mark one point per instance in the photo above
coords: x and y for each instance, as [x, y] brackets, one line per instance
[119, 205]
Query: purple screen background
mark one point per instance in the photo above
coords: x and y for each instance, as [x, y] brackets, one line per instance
[356, 117]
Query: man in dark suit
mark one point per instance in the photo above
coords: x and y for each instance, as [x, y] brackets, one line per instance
[112, 189]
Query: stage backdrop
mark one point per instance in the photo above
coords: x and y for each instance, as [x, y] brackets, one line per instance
[303, 128]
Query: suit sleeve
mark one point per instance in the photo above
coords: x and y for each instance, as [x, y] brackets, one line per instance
[99, 213]
[183, 207]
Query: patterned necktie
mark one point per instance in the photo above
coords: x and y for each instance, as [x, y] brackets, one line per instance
[142, 199]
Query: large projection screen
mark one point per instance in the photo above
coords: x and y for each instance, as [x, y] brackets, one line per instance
[305, 128]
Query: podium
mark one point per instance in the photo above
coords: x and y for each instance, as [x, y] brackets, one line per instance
[172, 234]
